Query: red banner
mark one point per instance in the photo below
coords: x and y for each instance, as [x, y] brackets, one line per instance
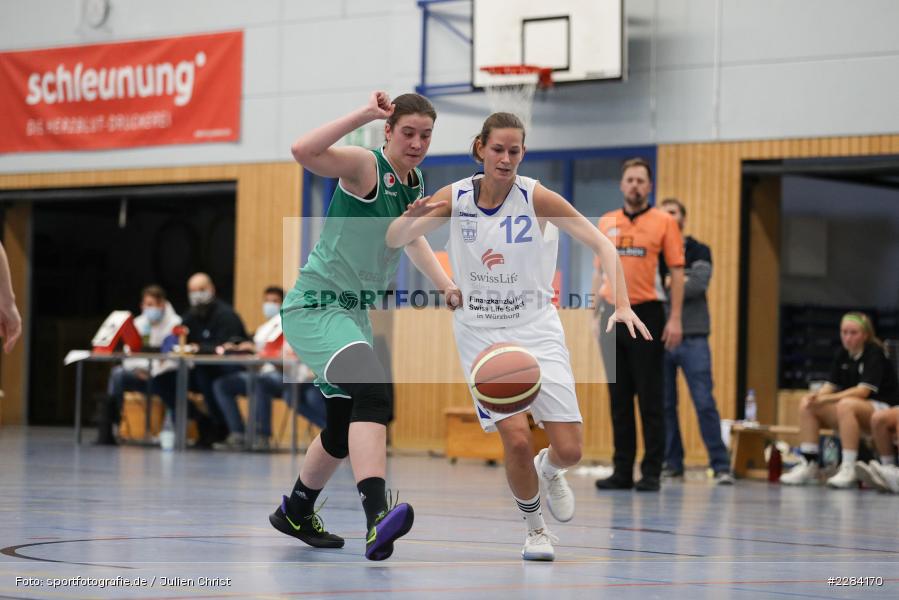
[167, 91]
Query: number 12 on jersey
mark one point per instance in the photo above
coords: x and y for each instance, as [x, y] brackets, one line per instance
[524, 221]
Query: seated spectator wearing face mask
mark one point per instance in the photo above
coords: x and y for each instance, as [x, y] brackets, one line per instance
[155, 322]
[269, 385]
[211, 323]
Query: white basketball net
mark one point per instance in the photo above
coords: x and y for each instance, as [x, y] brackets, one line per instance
[513, 93]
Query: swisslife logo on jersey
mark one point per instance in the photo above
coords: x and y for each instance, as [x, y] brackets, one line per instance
[490, 258]
[389, 179]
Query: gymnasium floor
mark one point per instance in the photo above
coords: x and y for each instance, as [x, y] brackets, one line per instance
[101, 512]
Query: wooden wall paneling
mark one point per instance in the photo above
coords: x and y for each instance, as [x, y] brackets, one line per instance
[702, 176]
[63, 179]
[266, 194]
[763, 302]
[427, 376]
[591, 387]
[292, 248]
[728, 296]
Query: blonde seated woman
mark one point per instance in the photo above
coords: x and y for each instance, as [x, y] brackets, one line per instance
[862, 382]
[883, 474]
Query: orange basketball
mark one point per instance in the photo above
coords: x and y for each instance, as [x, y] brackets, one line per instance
[505, 378]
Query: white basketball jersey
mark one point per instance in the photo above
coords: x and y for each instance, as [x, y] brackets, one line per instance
[502, 262]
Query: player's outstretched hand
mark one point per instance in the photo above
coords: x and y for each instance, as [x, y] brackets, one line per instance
[633, 322]
[380, 105]
[422, 207]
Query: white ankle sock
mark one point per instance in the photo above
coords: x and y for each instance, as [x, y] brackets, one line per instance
[849, 458]
[888, 459]
[530, 511]
[547, 468]
[808, 448]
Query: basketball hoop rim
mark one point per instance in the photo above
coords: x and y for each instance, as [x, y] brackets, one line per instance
[544, 74]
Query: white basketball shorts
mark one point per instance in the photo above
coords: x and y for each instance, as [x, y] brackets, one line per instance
[544, 338]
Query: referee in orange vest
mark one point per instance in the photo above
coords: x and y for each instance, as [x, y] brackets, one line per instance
[641, 233]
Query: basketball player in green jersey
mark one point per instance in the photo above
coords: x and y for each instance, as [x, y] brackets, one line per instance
[325, 318]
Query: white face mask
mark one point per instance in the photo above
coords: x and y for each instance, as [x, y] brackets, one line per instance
[270, 309]
[199, 297]
[153, 314]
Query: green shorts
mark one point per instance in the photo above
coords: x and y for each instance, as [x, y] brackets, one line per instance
[318, 334]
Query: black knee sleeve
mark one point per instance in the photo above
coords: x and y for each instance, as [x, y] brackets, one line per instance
[357, 370]
[335, 435]
[335, 443]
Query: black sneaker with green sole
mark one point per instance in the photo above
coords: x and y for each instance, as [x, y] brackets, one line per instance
[308, 529]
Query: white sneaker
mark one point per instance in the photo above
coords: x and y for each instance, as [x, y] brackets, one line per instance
[868, 474]
[538, 545]
[889, 474]
[558, 494]
[262, 444]
[844, 479]
[724, 478]
[234, 441]
[802, 474]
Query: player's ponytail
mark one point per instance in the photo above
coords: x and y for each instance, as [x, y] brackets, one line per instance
[500, 120]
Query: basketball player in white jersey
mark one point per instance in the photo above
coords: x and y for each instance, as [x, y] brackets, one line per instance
[503, 244]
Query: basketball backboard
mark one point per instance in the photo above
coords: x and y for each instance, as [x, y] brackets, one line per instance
[580, 40]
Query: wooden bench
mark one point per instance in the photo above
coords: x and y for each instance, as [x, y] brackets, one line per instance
[133, 421]
[132, 426]
[748, 447]
[466, 439]
[281, 412]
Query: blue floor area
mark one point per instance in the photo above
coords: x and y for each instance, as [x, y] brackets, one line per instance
[195, 525]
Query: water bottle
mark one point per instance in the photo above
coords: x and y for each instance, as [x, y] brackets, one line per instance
[167, 435]
[750, 408]
[775, 465]
[830, 452]
[145, 333]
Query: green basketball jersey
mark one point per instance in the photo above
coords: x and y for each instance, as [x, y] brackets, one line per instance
[351, 257]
